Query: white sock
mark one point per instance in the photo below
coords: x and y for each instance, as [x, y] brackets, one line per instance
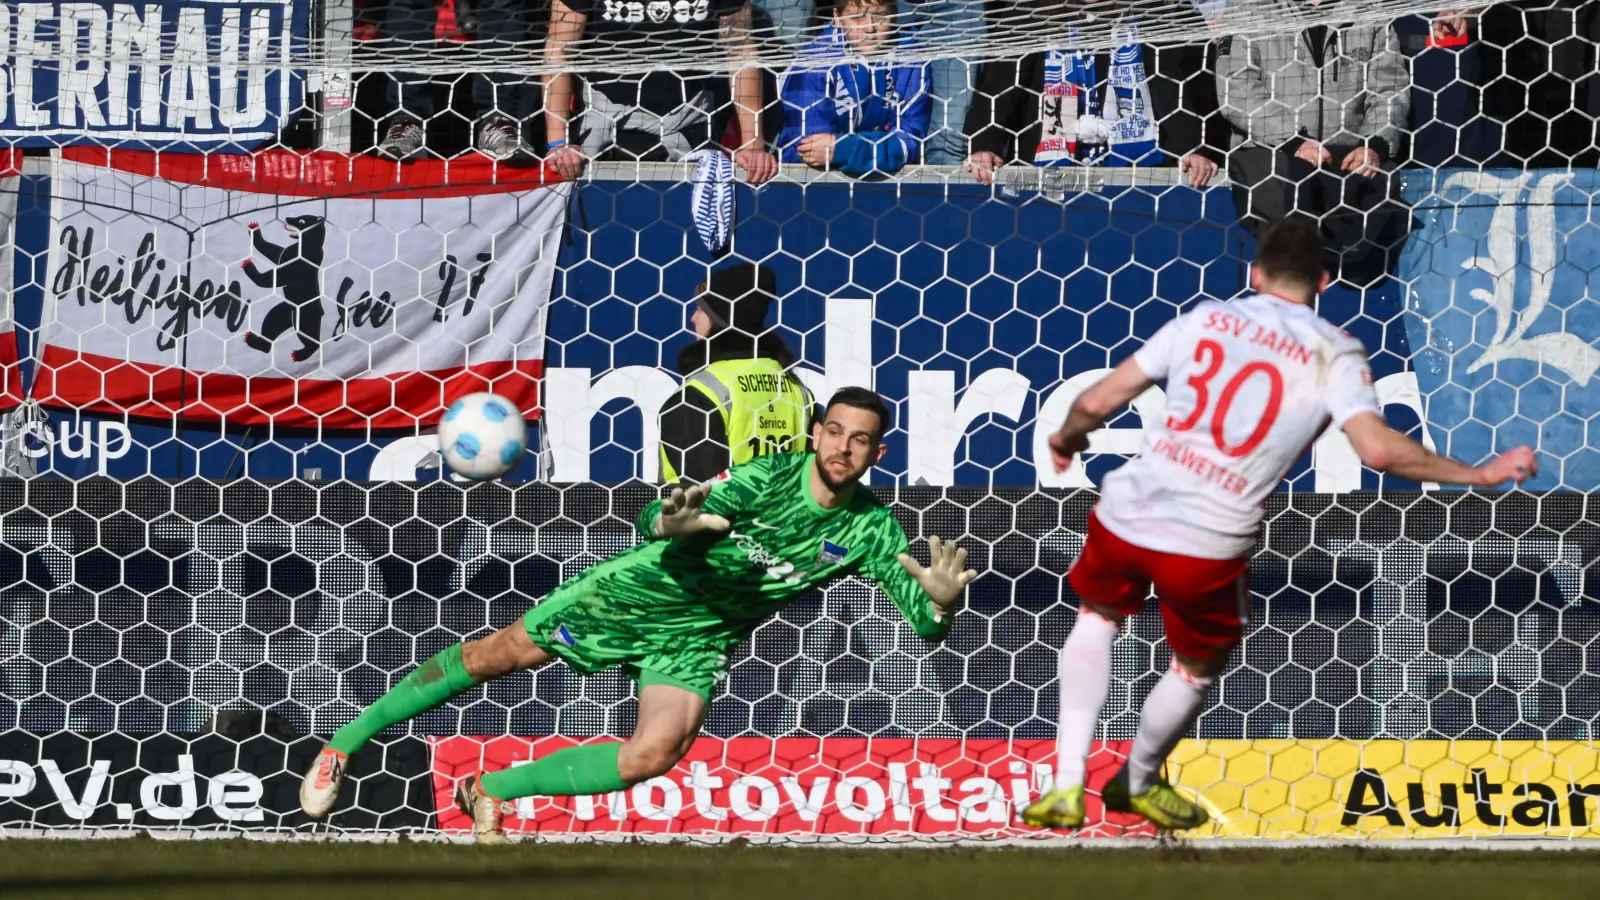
[1085, 673]
[1168, 712]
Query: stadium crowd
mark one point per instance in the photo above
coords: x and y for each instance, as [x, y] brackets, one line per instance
[1315, 122]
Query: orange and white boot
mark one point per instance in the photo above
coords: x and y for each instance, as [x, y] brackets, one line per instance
[320, 789]
[486, 812]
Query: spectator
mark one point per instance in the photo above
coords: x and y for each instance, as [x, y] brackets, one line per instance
[1040, 109]
[672, 110]
[1448, 129]
[946, 25]
[790, 21]
[1317, 117]
[1542, 82]
[502, 100]
[739, 399]
[859, 117]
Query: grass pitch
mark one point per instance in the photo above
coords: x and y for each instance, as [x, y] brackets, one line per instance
[143, 868]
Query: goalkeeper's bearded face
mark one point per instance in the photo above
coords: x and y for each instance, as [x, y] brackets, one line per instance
[847, 445]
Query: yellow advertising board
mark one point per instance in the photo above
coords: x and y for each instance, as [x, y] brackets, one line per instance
[1393, 789]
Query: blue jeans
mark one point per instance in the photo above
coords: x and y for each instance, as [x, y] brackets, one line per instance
[940, 23]
[789, 18]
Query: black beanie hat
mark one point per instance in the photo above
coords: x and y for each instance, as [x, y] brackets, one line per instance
[739, 296]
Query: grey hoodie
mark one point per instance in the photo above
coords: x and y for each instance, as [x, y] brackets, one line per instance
[1274, 94]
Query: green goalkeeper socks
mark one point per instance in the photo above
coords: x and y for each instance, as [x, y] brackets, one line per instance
[437, 680]
[589, 769]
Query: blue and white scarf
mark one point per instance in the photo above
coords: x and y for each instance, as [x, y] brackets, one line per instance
[1113, 120]
[711, 201]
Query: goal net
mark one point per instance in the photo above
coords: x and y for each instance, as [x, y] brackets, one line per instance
[257, 248]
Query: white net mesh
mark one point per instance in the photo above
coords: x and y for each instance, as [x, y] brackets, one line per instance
[509, 37]
[244, 292]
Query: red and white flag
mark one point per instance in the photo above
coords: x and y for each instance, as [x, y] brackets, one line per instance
[10, 367]
[303, 290]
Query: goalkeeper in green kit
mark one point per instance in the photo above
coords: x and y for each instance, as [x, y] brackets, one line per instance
[719, 559]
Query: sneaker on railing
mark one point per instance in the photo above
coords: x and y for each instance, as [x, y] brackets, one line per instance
[500, 139]
[403, 142]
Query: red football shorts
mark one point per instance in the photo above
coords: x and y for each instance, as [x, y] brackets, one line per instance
[1204, 602]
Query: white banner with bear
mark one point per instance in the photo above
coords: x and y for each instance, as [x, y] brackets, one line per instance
[10, 364]
[302, 290]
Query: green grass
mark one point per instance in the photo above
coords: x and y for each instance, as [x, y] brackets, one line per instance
[142, 868]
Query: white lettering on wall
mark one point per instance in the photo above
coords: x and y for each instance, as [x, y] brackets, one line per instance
[214, 74]
[82, 65]
[30, 50]
[235, 797]
[151, 790]
[135, 41]
[936, 423]
[21, 779]
[188, 87]
[79, 807]
[1538, 261]
[1150, 405]
[571, 403]
[847, 352]
[257, 34]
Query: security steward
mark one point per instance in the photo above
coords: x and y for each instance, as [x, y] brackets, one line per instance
[739, 399]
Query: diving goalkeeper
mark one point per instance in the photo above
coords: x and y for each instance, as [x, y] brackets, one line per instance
[718, 560]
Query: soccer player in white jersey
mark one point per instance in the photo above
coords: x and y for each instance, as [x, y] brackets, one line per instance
[1250, 384]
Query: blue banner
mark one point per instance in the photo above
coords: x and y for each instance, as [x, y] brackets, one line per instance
[1502, 321]
[151, 75]
[976, 315]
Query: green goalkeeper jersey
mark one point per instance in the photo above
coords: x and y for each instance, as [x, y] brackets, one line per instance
[712, 590]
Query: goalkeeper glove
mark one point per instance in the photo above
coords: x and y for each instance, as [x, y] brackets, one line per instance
[945, 579]
[680, 513]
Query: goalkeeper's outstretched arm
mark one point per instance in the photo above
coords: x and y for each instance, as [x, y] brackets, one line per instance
[1386, 450]
[681, 513]
[927, 597]
[706, 507]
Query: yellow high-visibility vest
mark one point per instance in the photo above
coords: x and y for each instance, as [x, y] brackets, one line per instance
[764, 409]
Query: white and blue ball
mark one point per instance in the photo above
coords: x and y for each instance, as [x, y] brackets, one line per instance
[482, 436]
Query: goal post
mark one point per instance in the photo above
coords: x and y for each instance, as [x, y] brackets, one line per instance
[1342, 718]
[224, 529]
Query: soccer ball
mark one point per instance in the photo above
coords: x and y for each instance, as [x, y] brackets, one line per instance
[482, 436]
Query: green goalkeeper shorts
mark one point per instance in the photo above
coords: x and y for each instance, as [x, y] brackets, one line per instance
[574, 626]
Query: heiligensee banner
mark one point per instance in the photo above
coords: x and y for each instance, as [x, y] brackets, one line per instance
[296, 290]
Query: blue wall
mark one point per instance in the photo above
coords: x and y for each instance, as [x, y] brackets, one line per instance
[1503, 318]
[962, 280]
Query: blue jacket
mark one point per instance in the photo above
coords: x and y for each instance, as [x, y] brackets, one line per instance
[878, 110]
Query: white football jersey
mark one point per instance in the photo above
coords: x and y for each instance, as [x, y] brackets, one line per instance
[1250, 384]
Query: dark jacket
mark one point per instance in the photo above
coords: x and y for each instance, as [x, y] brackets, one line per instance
[1447, 129]
[1541, 81]
[692, 431]
[1004, 115]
